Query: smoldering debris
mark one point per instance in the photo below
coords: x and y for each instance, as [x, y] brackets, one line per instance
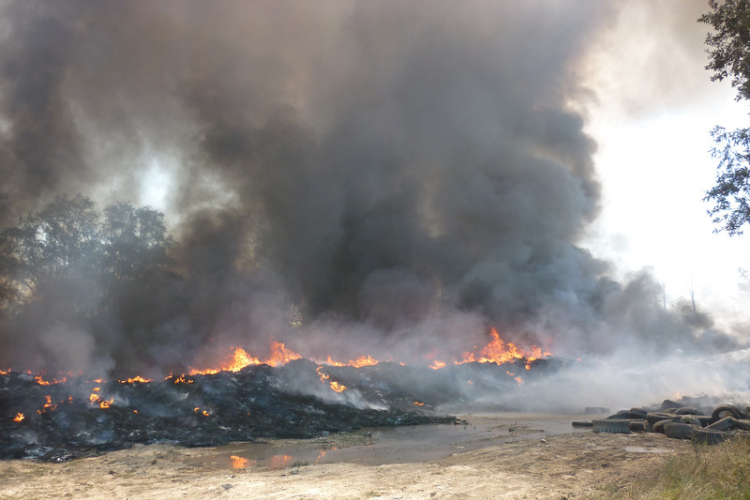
[74, 418]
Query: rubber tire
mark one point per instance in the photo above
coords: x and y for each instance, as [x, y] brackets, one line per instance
[723, 424]
[638, 413]
[736, 413]
[583, 424]
[668, 403]
[687, 410]
[637, 425]
[654, 416]
[659, 426]
[709, 436]
[612, 426]
[679, 430]
[620, 415]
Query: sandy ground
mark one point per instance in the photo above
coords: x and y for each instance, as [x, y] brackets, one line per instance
[497, 456]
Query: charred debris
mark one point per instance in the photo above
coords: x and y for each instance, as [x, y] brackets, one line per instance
[75, 417]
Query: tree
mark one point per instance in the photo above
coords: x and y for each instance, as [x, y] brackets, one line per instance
[69, 268]
[729, 56]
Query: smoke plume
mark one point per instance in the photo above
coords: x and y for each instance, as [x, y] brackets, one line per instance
[342, 175]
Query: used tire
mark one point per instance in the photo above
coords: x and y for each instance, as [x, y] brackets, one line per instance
[612, 426]
[622, 414]
[710, 436]
[583, 424]
[687, 410]
[654, 416]
[659, 426]
[638, 413]
[679, 430]
[722, 411]
[723, 424]
[637, 426]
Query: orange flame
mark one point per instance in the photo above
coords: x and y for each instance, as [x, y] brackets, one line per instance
[135, 379]
[337, 387]
[19, 417]
[106, 404]
[239, 462]
[363, 361]
[239, 359]
[418, 403]
[48, 406]
[436, 365]
[39, 380]
[5, 372]
[180, 380]
[203, 412]
[498, 352]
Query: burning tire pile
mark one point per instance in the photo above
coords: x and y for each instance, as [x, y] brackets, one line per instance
[76, 418]
[70, 418]
[689, 419]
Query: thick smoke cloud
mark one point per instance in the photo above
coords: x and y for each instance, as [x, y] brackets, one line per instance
[390, 175]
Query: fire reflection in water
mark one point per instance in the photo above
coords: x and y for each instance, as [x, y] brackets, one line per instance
[280, 461]
[239, 462]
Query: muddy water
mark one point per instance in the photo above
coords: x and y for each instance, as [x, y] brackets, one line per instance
[395, 445]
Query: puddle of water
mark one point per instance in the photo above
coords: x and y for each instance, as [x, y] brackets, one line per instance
[641, 449]
[396, 444]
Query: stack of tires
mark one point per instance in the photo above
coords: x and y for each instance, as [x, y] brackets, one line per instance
[702, 425]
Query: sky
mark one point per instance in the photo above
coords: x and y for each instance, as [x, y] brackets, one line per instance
[653, 110]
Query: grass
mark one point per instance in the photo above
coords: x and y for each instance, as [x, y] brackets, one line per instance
[709, 473]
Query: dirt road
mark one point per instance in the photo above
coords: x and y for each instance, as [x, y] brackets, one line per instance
[503, 456]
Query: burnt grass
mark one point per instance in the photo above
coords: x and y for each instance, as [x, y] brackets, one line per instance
[290, 401]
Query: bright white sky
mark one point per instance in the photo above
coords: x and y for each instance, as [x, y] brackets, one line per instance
[655, 107]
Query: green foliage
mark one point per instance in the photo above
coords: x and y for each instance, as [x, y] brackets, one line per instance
[729, 44]
[731, 193]
[69, 269]
[67, 244]
[729, 56]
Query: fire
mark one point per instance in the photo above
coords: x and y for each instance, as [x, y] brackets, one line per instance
[19, 417]
[498, 352]
[135, 379]
[363, 361]
[94, 398]
[239, 462]
[5, 372]
[39, 380]
[180, 380]
[202, 412]
[48, 406]
[519, 380]
[280, 355]
[337, 387]
[418, 403]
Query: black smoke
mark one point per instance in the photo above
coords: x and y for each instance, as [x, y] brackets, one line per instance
[341, 174]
